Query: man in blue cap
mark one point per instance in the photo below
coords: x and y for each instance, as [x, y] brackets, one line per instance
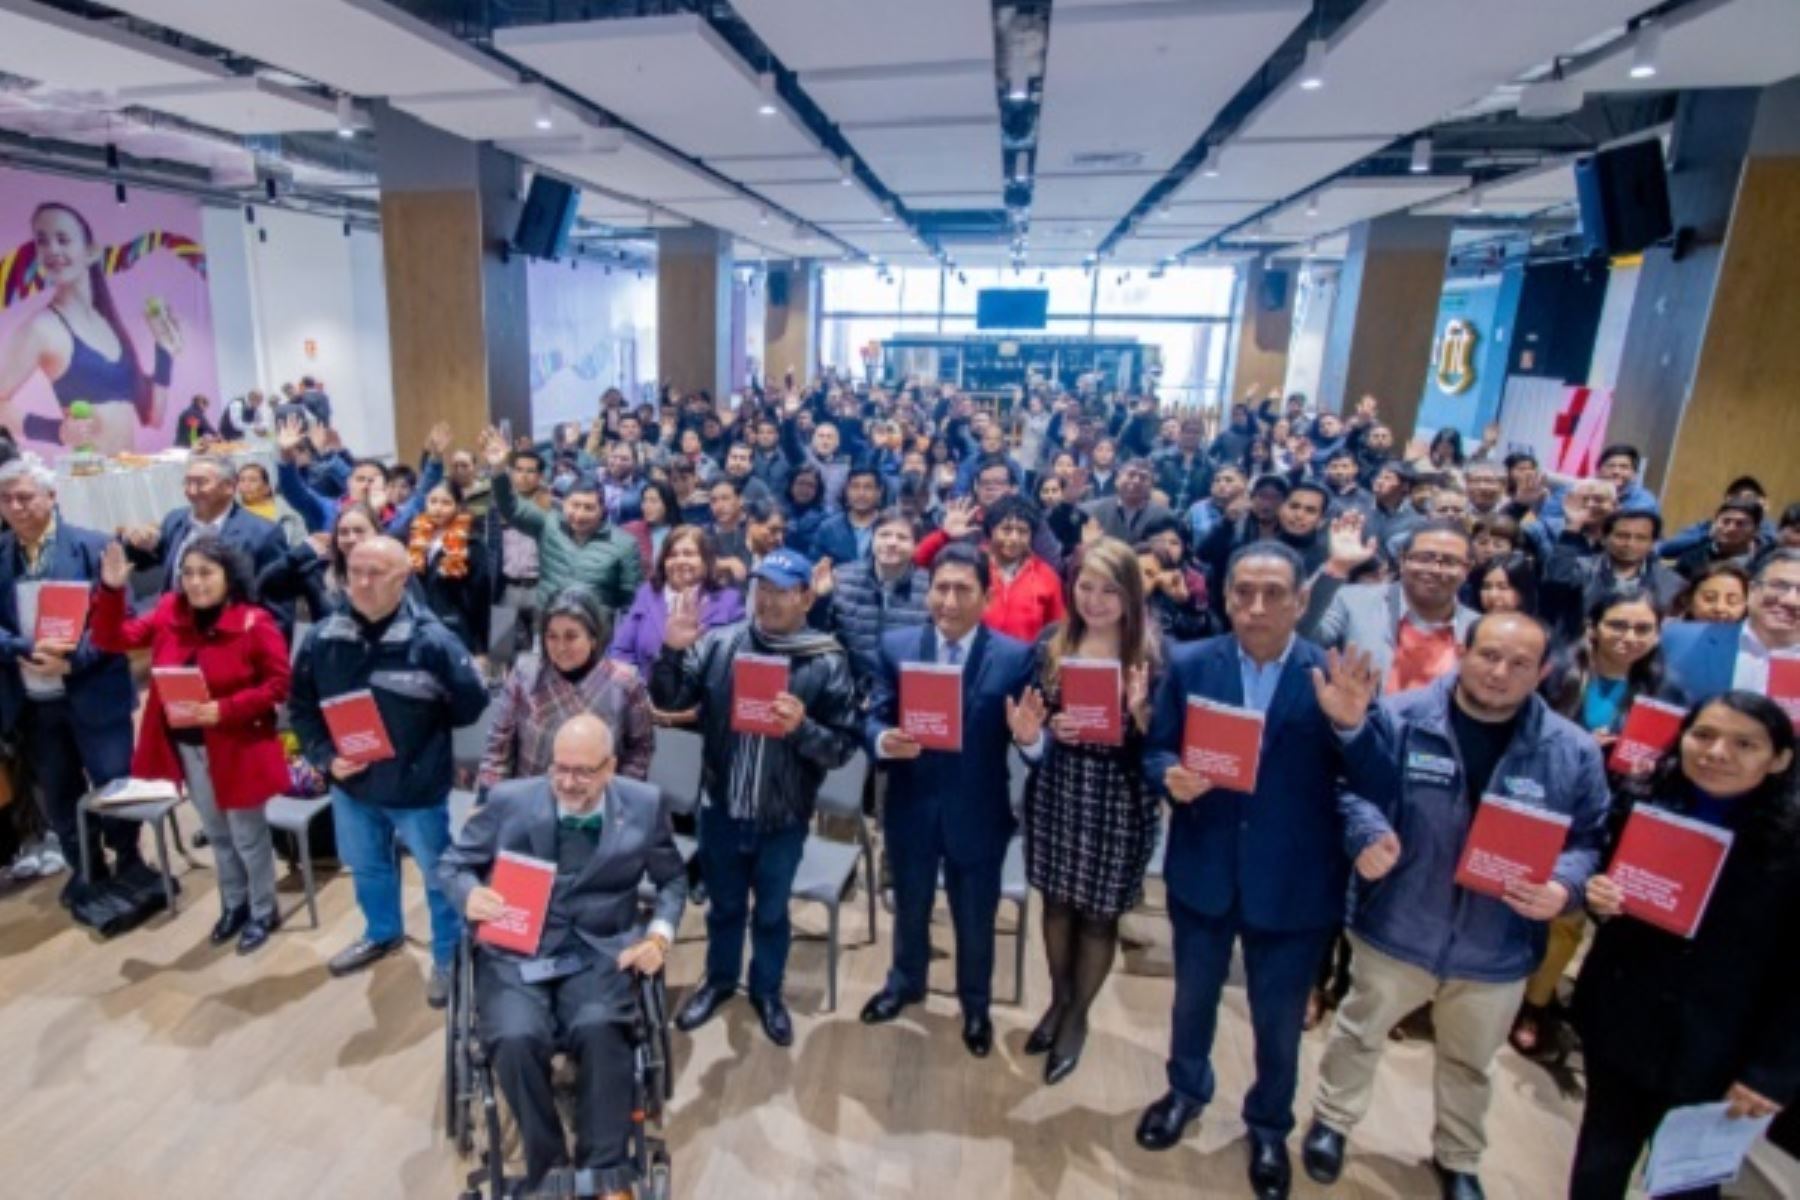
[759, 788]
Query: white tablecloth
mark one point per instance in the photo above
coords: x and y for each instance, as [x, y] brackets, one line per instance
[139, 496]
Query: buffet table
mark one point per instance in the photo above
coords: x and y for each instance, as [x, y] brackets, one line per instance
[136, 494]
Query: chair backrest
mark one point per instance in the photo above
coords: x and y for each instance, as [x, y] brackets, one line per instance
[675, 768]
[301, 630]
[1018, 772]
[462, 803]
[503, 633]
[842, 792]
[468, 743]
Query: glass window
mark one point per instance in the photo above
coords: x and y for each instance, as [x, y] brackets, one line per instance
[1177, 292]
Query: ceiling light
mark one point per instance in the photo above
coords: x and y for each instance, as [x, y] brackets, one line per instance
[847, 165]
[346, 116]
[1421, 156]
[1021, 165]
[1312, 206]
[546, 118]
[766, 80]
[1644, 51]
[1018, 93]
[1312, 70]
[887, 213]
[1215, 161]
[1475, 206]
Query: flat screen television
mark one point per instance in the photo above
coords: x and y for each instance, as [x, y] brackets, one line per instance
[1012, 308]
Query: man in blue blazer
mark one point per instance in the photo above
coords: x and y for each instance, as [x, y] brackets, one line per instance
[1703, 659]
[948, 810]
[211, 489]
[1268, 870]
[67, 703]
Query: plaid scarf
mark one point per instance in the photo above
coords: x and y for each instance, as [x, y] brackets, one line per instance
[455, 562]
[748, 794]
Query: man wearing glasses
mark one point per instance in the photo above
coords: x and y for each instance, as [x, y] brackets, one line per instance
[1411, 627]
[604, 834]
[1704, 660]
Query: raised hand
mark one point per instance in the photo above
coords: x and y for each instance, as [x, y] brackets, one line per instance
[1378, 857]
[1346, 688]
[1137, 695]
[378, 496]
[320, 543]
[141, 537]
[1025, 717]
[493, 448]
[959, 518]
[438, 439]
[822, 578]
[115, 568]
[682, 629]
[289, 435]
[1349, 549]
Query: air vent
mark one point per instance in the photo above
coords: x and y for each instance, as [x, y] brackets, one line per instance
[1107, 160]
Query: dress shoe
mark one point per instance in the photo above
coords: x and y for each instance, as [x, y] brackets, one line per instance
[883, 1006]
[230, 922]
[1044, 1036]
[256, 932]
[775, 1019]
[437, 988]
[707, 999]
[1065, 1054]
[1458, 1185]
[1322, 1153]
[978, 1034]
[1271, 1172]
[1165, 1122]
[361, 953]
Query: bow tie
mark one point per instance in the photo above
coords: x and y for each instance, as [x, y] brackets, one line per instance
[584, 824]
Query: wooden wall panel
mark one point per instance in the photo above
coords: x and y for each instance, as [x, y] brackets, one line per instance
[1263, 335]
[693, 310]
[1384, 317]
[790, 331]
[431, 244]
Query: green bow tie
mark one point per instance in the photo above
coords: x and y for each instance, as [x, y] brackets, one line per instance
[587, 824]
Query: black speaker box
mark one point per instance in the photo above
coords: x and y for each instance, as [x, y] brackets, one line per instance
[1624, 197]
[549, 214]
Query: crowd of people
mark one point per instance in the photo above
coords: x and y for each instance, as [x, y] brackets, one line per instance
[1417, 627]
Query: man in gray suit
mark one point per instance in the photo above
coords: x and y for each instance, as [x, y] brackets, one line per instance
[1412, 627]
[604, 835]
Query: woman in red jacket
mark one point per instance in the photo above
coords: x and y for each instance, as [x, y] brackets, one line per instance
[225, 749]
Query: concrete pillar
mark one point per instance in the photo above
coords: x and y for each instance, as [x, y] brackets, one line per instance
[693, 310]
[1263, 328]
[1382, 321]
[790, 321]
[458, 321]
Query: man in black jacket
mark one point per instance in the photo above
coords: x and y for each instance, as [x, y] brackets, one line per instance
[422, 681]
[759, 788]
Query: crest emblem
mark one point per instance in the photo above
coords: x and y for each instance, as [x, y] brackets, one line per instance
[1454, 370]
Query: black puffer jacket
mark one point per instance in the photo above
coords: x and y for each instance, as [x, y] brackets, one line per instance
[797, 764]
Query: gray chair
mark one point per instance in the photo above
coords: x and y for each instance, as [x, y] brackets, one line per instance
[158, 814]
[295, 815]
[461, 804]
[827, 867]
[1016, 890]
[503, 635]
[469, 743]
[675, 770]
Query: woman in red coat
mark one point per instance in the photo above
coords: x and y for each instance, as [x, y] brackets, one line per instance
[225, 749]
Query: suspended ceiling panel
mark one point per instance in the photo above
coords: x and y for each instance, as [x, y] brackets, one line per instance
[368, 47]
[787, 168]
[1273, 170]
[1399, 65]
[673, 77]
[638, 168]
[742, 217]
[611, 210]
[893, 93]
[243, 105]
[1517, 195]
[1213, 212]
[504, 114]
[52, 47]
[1348, 201]
[1743, 43]
[932, 156]
[823, 201]
[885, 244]
[1132, 86]
[1100, 197]
[953, 201]
[809, 34]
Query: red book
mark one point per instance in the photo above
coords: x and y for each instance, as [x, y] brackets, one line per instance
[524, 883]
[62, 611]
[1510, 840]
[931, 705]
[357, 729]
[180, 689]
[1784, 686]
[1650, 731]
[1222, 743]
[756, 679]
[1667, 866]
[1091, 698]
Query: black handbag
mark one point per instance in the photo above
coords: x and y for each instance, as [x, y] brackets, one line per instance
[122, 903]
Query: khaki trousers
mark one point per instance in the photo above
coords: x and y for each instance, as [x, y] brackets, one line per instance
[1566, 933]
[1471, 1020]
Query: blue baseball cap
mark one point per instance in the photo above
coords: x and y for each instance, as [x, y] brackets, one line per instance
[785, 568]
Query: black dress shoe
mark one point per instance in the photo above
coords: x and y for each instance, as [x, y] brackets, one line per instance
[1271, 1173]
[1044, 1036]
[1322, 1154]
[1458, 1185]
[1165, 1122]
[1065, 1058]
[978, 1034]
[883, 1006]
[361, 953]
[700, 1007]
[230, 922]
[256, 932]
[775, 1019]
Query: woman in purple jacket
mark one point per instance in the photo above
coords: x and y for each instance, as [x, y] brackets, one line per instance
[685, 567]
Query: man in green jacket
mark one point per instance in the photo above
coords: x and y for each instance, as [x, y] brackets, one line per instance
[578, 549]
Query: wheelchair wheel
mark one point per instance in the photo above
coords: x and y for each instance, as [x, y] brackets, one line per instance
[658, 1184]
[459, 1082]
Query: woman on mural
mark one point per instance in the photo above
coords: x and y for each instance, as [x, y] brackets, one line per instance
[81, 345]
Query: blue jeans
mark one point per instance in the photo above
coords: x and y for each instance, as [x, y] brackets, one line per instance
[365, 838]
[736, 861]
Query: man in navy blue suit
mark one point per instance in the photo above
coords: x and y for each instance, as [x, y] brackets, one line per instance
[1266, 870]
[66, 703]
[1703, 659]
[210, 486]
[948, 810]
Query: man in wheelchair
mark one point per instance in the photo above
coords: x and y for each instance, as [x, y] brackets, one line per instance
[605, 835]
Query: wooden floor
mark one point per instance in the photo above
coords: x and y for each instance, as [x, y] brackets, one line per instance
[156, 1066]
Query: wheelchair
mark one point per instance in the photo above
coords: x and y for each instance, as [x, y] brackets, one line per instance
[472, 1098]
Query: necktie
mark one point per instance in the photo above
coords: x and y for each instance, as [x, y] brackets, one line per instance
[953, 654]
[587, 824]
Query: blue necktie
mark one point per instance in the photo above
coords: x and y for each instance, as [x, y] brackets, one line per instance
[953, 654]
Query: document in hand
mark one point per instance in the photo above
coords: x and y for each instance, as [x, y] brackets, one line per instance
[1699, 1146]
[62, 611]
[1650, 730]
[524, 883]
[931, 705]
[357, 729]
[1667, 866]
[1784, 686]
[1510, 840]
[1222, 743]
[756, 679]
[180, 689]
[1091, 699]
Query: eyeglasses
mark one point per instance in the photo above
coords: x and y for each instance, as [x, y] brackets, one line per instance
[1442, 562]
[1781, 587]
[579, 774]
[1636, 628]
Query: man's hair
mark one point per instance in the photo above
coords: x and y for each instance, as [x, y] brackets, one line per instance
[961, 554]
[1785, 556]
[1484, 467]
[894, 516]
[863, 471]
[1164, 523]
[1747, 483]
[1010, 508]
[759, 509]
[218, 462]
[1520, 456]
[28, 468]
[402, 471]
[519, 456]
[1404, 544]
[1278, 482]
[1268, 548]
[1317, 489]
[1342, 452]
[736, 485]
[988, 462]
[1529, 618]
[1748, 508]
[1790, 516]
[379, 466]
[1631, 514]
[585, 484]
[1621, 450]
